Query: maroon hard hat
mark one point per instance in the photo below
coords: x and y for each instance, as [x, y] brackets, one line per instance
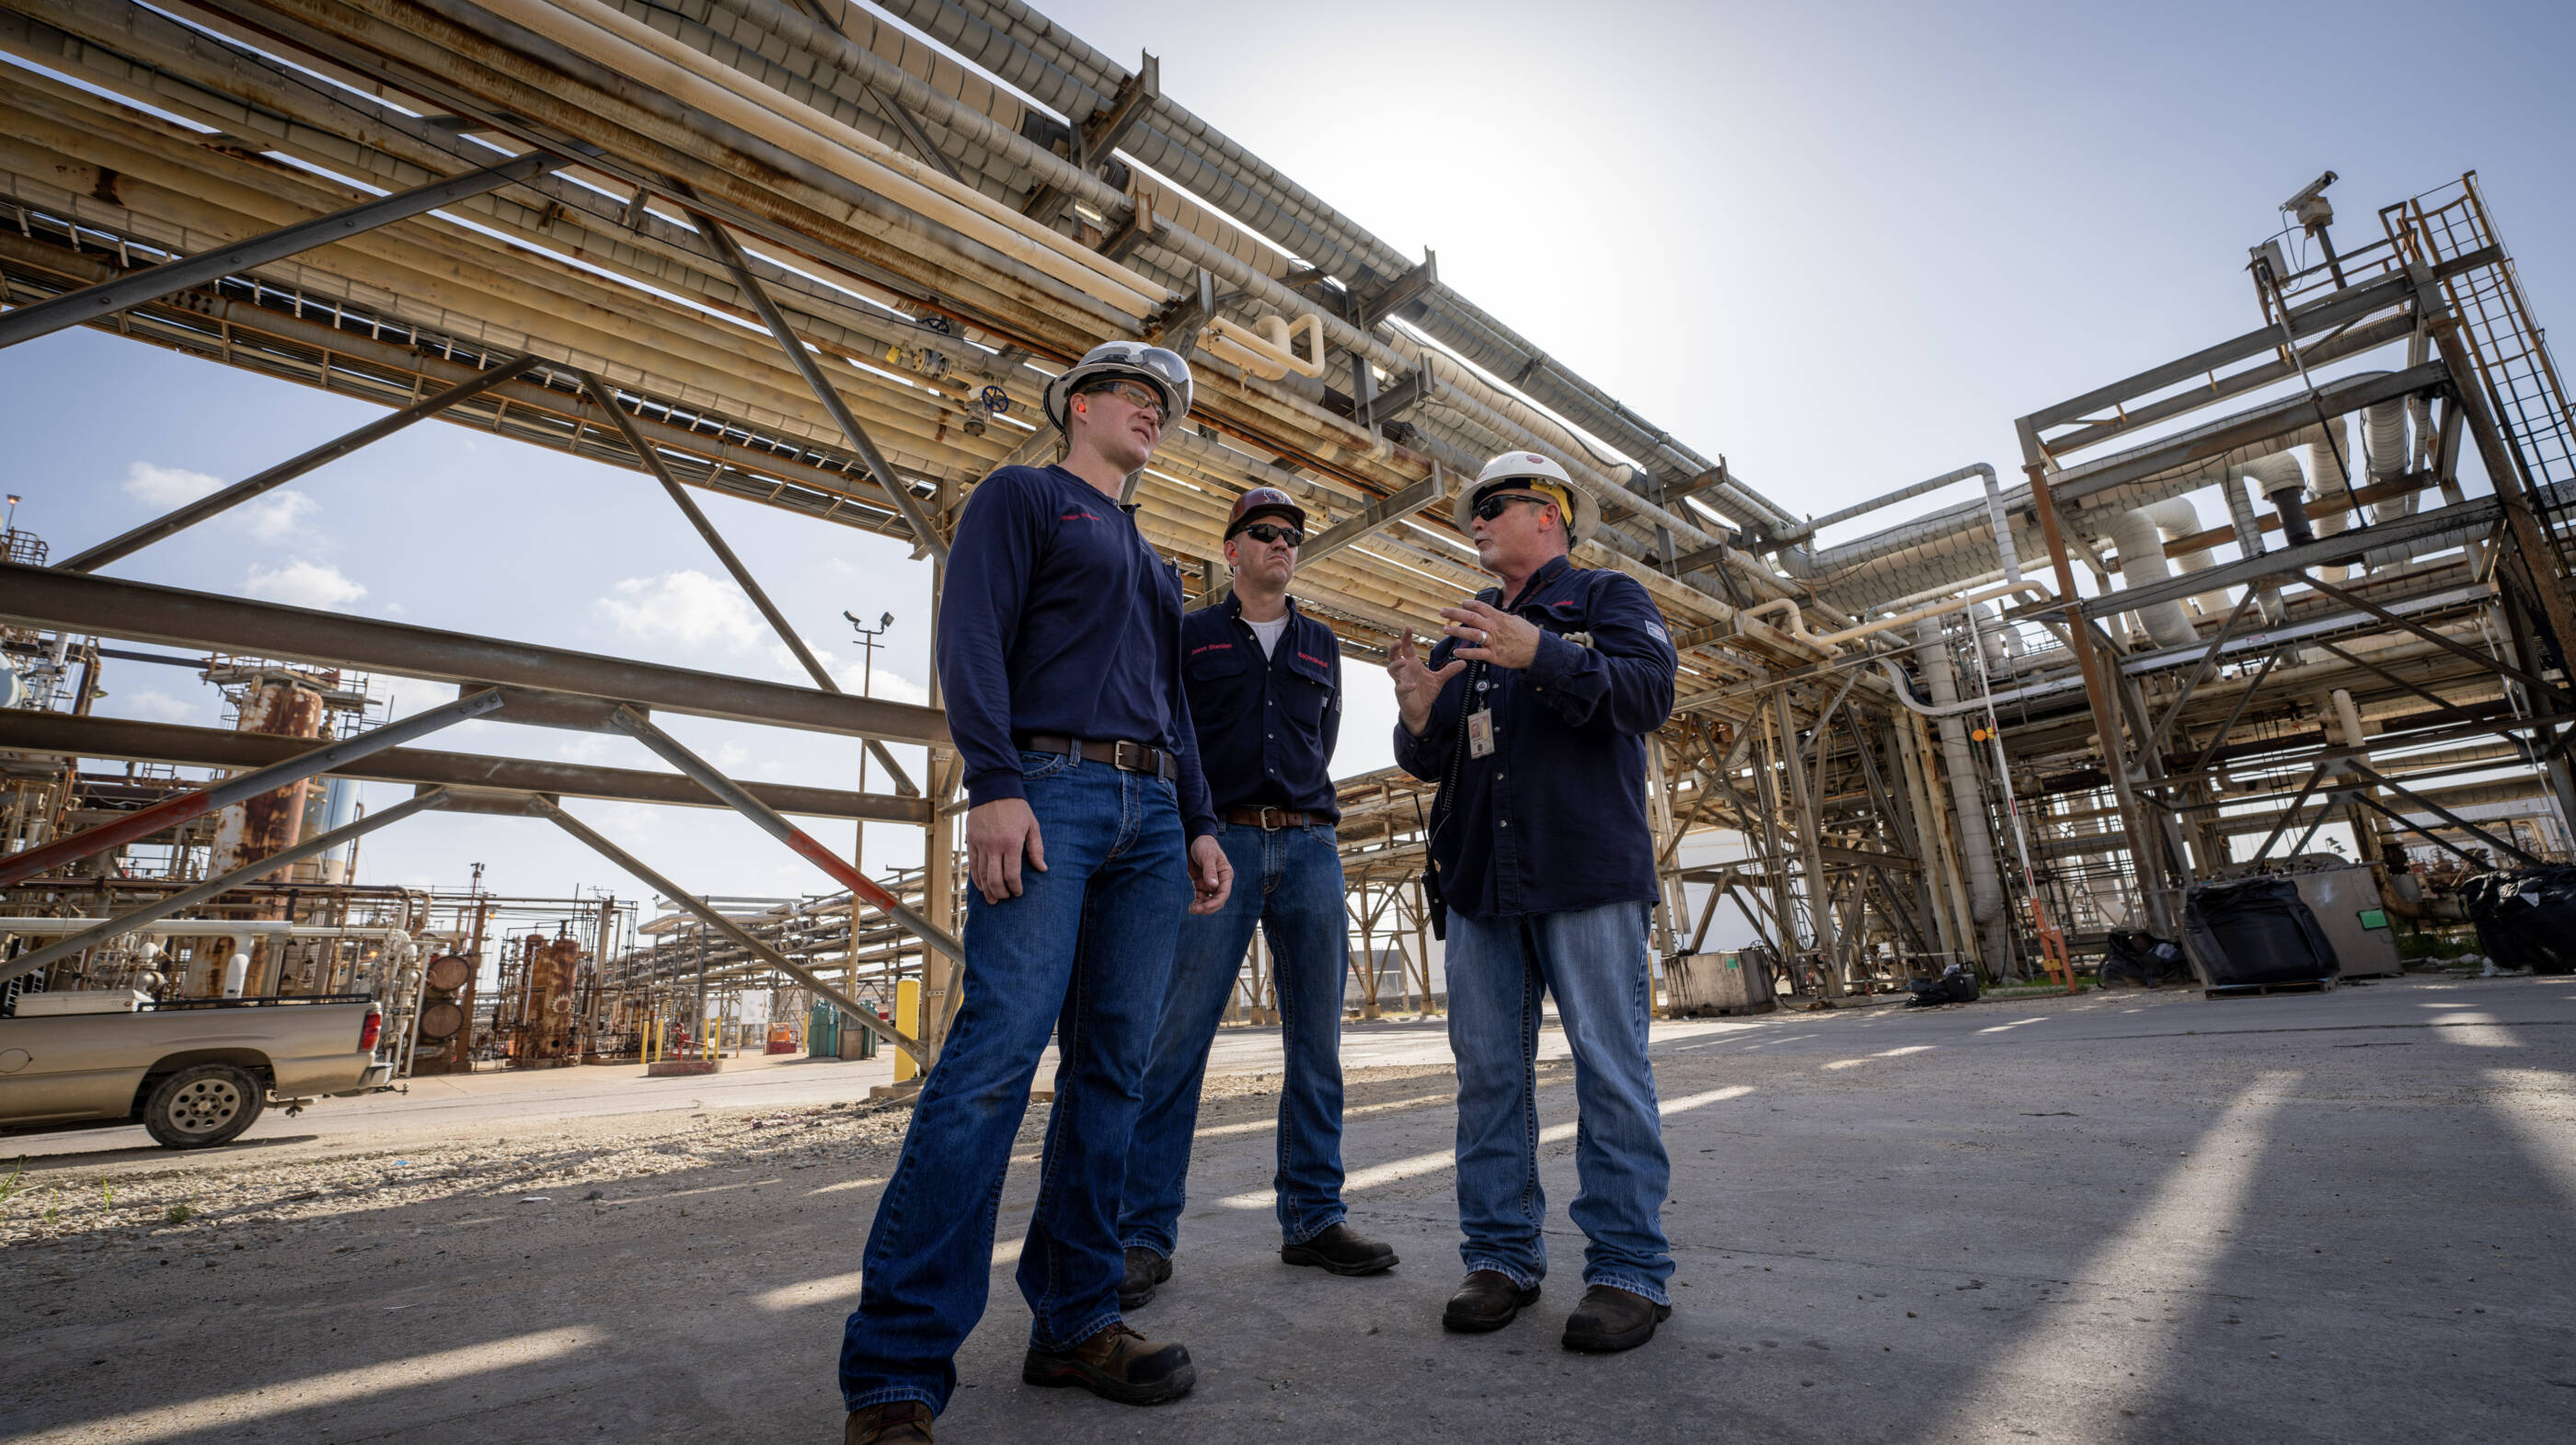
[1261, 502]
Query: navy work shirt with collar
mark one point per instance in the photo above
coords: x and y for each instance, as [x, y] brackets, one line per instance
[1554, 818]
[1267, 726]
[1058, 618]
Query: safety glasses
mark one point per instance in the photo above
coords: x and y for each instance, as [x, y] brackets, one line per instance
[1492, 507]
[1271, 532]
[1136, 393]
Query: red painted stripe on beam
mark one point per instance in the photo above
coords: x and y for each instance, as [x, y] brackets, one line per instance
[151, 820]
[851, 878]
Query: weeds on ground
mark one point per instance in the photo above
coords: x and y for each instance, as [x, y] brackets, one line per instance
[179, 1213]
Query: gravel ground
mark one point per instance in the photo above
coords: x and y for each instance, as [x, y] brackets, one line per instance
[71, 1216]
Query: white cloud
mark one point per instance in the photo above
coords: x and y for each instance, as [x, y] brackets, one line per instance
[162, 488]
[278, 516]
[303, 584]
[887, 684]
[690, 608]
[154, 705]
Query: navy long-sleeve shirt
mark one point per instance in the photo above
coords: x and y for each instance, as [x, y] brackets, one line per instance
[1554, 818]
[1266, 726]
[1058, 618]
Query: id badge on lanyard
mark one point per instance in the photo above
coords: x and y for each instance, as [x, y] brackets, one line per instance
[1480, 723]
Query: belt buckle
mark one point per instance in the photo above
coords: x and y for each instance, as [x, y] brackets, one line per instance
[1131, 756]
[1268, 813]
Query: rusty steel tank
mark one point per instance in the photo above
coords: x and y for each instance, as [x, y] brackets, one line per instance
[549, 1028]
[280, 705]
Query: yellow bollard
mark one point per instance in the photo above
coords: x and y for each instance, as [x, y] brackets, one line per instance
[907, 1021]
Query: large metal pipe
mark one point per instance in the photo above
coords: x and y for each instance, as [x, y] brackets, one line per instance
[188, 898]
[144, 822]
[1968, 806]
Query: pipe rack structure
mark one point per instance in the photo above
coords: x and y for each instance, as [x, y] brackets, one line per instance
[823, 257]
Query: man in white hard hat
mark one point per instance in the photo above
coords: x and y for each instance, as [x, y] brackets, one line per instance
[1089, 839]
[1265, 686]
[1533, 714]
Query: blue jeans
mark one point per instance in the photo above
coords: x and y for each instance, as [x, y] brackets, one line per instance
[1084, 951]
[1289, 882]
[1593, 960]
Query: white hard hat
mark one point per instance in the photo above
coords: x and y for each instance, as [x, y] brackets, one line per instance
[1531, 472]
[1162, 370]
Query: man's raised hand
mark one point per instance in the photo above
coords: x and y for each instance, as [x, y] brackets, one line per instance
[1416, 687]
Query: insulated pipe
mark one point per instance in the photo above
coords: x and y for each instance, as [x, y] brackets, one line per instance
[2141, 545]
[1029, 51]
[1976, 842]
[1997, 516]
[655, 59]
[2281, 483]
[1508, 415]
[953, 115]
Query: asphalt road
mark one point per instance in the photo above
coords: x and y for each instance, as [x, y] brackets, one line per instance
[2340, 1217]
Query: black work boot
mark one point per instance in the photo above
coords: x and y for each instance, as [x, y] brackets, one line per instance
[1611, 1318]
[1341, 1251]
[1487, 1301]
[1115, 1364]
[1145, 1269]
[896, 1422]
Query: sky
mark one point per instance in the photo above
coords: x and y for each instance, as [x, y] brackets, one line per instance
[1842, 244]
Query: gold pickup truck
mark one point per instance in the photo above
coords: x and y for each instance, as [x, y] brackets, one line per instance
[195, 1072]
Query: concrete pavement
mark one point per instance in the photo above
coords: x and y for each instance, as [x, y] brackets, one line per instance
[2342, 1217]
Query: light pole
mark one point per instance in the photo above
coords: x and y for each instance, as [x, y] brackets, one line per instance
[867, 681]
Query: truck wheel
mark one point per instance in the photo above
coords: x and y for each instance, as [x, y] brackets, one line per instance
[202, 1105]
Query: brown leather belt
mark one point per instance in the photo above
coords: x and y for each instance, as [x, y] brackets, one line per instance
[1271, 820]
[1133, 757]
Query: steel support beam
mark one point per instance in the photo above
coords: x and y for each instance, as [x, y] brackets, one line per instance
[910, 124]
[2273, 419]
[2438, 811]
[62, 734]
[2477, 513]
[143, 612]
[722, 242]
[1398, 293]
[211, 889]
[1376, 517]
[145, 822]
[2545, 689]
[635, 725]
[182, 518]
[866, 1018]
[733, 564]
[91, 303]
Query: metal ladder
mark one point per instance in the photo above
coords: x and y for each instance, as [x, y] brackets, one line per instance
[2510, 350]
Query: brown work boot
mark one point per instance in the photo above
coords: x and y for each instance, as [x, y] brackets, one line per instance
[1486, 1302]
[1611, 1318]
[896, 1422]
[1115, 1364]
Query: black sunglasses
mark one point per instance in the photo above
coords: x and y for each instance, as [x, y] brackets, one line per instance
[1492, 507]
[1266, 532]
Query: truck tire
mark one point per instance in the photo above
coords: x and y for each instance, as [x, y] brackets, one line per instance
[202, 1105]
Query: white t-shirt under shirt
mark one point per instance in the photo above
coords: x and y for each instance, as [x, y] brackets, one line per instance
[1269, 632]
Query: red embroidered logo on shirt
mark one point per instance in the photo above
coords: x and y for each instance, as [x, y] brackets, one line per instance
[1078, 515]
[1310, 657]
[1211, 647]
